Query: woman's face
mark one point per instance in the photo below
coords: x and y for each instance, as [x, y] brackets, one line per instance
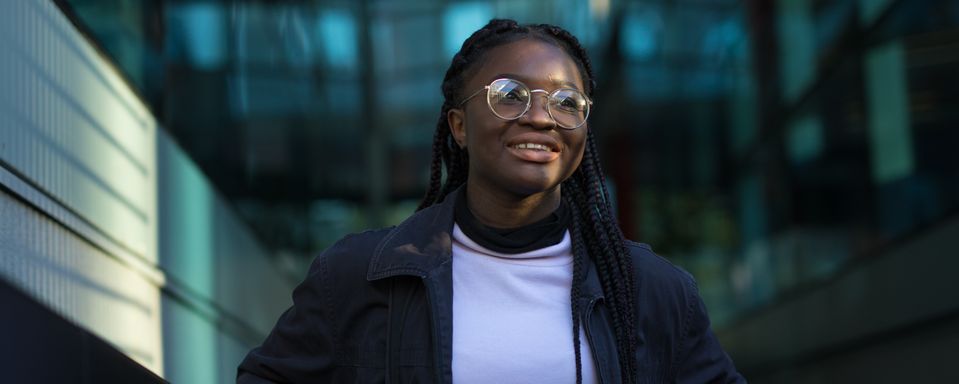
[496, 162]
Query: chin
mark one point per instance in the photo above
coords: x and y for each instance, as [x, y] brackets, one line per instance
[532, 186]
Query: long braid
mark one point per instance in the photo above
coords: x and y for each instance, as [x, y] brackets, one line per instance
[595, 233]
[436, 163]
[580, 256]
[615, 270]
[608, 249]
[613, 265]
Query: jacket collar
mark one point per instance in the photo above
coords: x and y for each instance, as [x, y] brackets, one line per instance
[420, 243]
[424, 241]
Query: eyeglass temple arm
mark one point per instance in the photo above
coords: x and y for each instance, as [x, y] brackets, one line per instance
[486, 88]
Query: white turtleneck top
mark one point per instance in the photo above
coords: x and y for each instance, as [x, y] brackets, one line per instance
[512, 319]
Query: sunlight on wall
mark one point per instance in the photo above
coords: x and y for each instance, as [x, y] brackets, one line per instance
[77, 147]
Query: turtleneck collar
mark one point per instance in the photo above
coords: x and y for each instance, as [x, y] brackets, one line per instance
[540, 234]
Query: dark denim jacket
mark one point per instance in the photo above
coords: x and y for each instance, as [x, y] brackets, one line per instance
[377, 307]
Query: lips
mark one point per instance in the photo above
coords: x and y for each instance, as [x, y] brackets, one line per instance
[535, 148]
[538, 147]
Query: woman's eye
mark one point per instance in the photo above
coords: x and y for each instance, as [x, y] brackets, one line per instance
[512, 97]
[568, 104]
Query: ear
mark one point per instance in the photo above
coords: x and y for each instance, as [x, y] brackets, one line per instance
[454, 117]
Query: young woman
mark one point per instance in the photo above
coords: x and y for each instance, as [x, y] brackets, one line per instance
[513, 270]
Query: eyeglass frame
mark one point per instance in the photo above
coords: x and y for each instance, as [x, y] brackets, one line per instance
[529, 103]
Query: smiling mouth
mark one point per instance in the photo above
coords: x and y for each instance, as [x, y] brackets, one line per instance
[534, 146]
[534, 152]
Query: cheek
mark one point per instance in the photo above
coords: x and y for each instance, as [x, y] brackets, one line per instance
[578, 152]
[574, 165]
[485, 137]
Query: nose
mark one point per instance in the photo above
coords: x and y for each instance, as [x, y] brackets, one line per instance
[538, 113]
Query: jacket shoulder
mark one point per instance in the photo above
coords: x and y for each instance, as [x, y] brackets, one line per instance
[351, 254]
[664, 288]
[673, 304]
[651, 268]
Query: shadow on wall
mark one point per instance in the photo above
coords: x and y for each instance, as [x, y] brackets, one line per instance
[39, 346]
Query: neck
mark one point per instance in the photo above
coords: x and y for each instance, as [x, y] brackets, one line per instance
[504, 210]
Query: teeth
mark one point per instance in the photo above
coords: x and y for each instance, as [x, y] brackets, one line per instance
[539, 147]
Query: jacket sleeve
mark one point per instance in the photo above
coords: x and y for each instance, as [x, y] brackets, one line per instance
[300, 346]
[701, 358]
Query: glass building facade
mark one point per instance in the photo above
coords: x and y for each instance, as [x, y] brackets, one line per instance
[782, 151]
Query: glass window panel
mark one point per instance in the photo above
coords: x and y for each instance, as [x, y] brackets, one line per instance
[641, 34]
[338, 35]
[804, 139]
[410, 94]
[832, 18]
[459, 22]
[796, 47]
[890, 136]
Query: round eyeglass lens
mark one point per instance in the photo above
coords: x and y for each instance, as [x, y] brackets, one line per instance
[508, 98]
[568, 107]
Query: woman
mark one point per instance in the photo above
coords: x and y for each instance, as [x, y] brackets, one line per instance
[513, 269]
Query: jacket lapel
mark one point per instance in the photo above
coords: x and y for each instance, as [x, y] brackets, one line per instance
[422, 246]
[599, 333]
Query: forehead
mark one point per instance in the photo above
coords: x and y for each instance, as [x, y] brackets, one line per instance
[535, 62]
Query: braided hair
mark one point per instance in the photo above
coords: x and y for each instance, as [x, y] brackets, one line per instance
[594, 231]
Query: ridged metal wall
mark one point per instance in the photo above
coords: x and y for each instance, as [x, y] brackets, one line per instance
[78, 157]
[105, 220]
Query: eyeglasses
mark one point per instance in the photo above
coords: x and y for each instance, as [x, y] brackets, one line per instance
[510, 99]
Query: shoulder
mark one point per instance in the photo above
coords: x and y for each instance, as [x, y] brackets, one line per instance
[648, 265]
[349, 257]
[671, 315]
[657, 279]
[356, 245]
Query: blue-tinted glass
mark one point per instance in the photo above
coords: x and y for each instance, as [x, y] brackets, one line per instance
[341, 99]
[640, 34]
[831, 20]
[725, 41]
[804, 139]
[460, 19]
[198, 31]
[338, 34]
[409, 95]
[796, 46]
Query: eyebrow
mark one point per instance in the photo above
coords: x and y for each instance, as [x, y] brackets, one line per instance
[556, 82]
